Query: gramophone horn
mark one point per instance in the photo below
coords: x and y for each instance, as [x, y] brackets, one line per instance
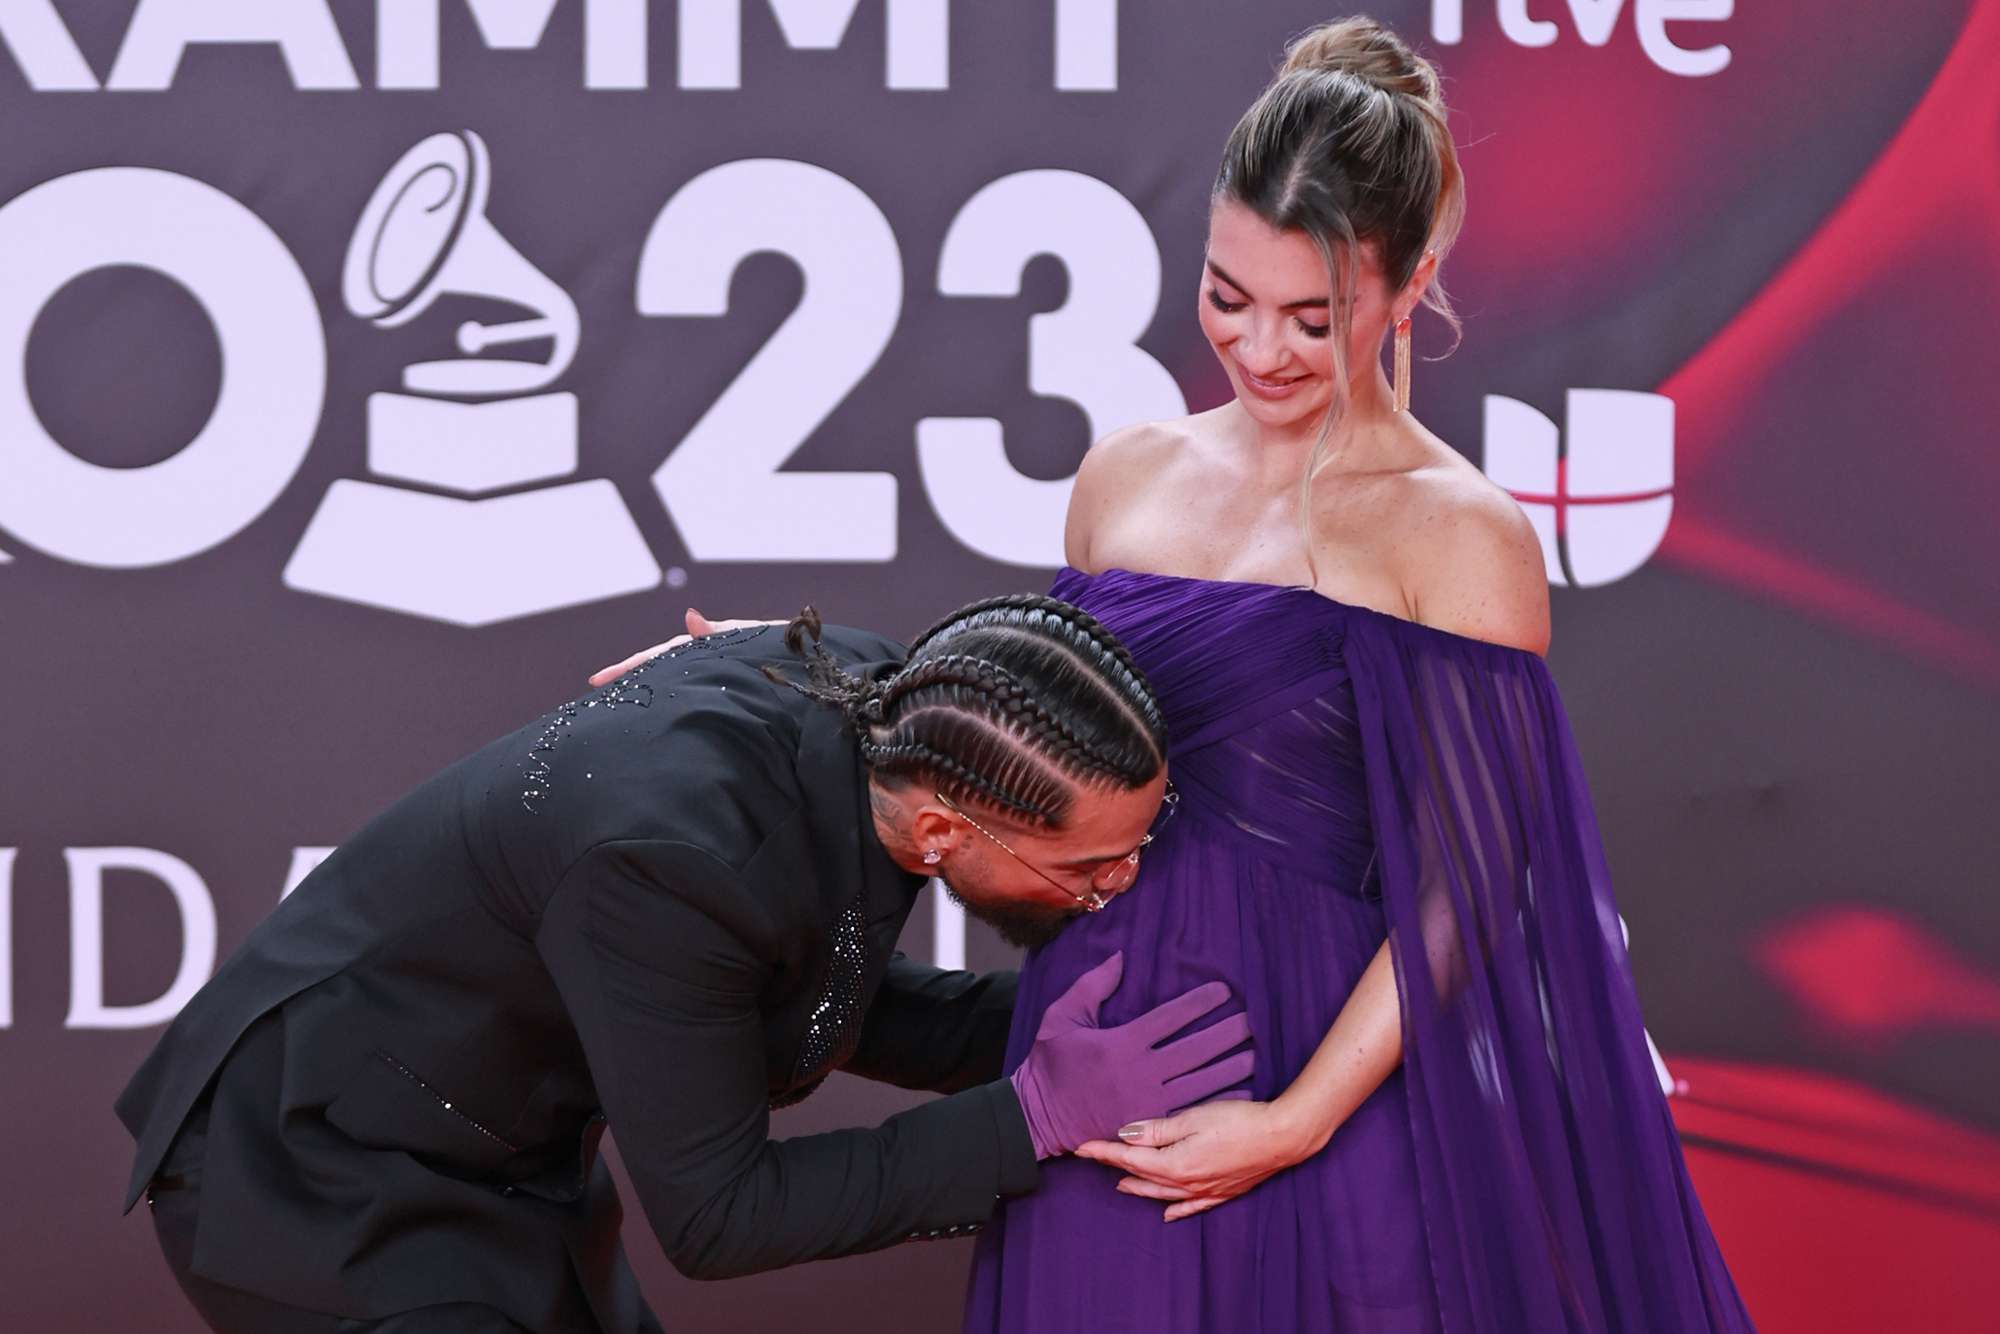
[425, 233]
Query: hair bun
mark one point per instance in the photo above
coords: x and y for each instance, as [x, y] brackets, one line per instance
[1362, 47]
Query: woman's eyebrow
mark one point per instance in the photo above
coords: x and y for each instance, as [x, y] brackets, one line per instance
[1310, 302]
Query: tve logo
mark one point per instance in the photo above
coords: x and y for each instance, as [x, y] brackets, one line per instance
[1594, 21]
[1600, 507]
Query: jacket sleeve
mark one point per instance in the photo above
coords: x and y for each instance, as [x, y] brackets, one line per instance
[935, 1030]
[1550, 1176]
[646, 941]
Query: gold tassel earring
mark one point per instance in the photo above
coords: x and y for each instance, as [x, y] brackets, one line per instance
[1403, 364]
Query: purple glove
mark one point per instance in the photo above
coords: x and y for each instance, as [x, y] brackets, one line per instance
[1081, 1082]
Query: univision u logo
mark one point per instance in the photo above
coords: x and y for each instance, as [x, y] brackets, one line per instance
[1601, 505]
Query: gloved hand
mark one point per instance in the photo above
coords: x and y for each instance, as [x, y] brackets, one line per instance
[1081, 1082]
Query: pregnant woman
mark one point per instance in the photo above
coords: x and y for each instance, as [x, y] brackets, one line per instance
[1383, 841]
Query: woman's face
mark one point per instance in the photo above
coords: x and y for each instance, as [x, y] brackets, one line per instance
[1265, 306]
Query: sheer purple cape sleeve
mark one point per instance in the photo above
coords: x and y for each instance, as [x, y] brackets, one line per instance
[1554, 1193]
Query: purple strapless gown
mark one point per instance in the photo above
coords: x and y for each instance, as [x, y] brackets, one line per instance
[1347, 777]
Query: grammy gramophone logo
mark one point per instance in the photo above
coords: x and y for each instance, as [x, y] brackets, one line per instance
[466, 518]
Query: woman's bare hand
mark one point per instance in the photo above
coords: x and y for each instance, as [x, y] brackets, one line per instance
[1201, 1157]
[698, 625]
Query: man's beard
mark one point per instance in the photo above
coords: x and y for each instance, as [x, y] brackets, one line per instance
[1027, 928]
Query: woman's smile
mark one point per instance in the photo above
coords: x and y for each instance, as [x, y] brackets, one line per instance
[1280, 386]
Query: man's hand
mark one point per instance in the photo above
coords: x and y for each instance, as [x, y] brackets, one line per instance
[1081, 1081]
[1203, 1156]
[697, 626]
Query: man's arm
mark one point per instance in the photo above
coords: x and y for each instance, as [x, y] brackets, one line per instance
[935, 1030]
[646, 941]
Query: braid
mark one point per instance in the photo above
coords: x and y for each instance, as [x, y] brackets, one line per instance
[860, 701]
[1077, 627]
[1099, 639]
[1014, 703]
[1013, 700]
[915, 756]
[1100, 644]
[1018, 702]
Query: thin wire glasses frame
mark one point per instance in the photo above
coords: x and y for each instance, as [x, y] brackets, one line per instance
[1112, 877]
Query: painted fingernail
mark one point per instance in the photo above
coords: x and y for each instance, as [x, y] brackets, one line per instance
[1131, 1132]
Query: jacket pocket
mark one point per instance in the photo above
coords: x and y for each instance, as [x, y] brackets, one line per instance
[562, 1175]
[388, 1105]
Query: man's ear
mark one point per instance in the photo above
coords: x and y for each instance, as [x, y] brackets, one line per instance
[933, 828]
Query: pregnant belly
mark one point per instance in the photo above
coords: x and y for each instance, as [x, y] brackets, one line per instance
[1289, 942]
[1333, 1243]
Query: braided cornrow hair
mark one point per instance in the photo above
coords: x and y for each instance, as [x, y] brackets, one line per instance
[1014, 703]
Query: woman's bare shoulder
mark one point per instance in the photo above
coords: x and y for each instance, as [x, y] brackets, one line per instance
[1129, 462]
[1474, 564]
[1139, 448]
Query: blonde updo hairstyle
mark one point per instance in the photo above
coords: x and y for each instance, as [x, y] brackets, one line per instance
[1350, 146]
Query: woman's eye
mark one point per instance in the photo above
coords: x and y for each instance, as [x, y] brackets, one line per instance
[1313, 330]
[1226, 307]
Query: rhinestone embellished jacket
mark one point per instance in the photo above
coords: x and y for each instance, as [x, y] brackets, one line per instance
[661, 905]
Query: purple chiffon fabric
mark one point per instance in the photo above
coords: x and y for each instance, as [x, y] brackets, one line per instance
[1348, 777]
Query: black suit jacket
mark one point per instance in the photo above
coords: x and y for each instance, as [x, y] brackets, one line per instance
[663, 904]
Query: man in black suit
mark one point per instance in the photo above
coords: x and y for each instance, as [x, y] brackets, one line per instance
[671, 904]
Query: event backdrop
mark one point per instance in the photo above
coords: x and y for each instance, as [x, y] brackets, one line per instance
[370, 372]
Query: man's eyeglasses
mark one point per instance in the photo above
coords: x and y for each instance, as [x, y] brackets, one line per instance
[1110, 877]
